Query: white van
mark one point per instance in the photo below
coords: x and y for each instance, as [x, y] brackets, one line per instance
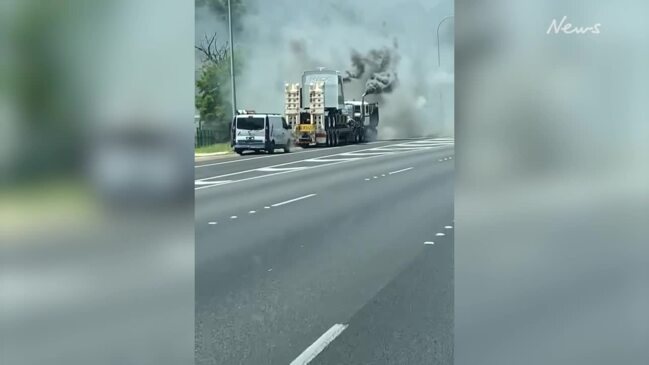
[260, 132]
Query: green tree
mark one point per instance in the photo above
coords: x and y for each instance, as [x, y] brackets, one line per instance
[213, 88]
[215, 109]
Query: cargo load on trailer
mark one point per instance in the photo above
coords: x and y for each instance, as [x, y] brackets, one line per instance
[318, 114]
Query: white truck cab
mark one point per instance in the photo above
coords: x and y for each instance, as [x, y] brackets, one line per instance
[260, 132]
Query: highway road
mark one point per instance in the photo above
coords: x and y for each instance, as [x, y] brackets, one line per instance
[326, 256]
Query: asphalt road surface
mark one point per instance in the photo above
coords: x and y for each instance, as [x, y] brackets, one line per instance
[326, 256]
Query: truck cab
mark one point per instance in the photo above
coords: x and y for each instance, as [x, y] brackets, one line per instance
[366, 113]
[260, 132]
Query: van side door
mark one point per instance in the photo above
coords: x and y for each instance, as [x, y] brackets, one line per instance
[287, 131]
[276, 130]
[267, 130]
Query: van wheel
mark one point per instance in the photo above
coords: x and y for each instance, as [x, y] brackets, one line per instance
[287, 148]
[238, 152]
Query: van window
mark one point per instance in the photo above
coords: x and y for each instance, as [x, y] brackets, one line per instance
[250, 123]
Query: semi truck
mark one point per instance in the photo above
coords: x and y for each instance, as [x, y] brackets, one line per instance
[318, 114]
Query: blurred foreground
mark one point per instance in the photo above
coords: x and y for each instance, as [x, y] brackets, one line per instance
[96, 165]
[552, 199]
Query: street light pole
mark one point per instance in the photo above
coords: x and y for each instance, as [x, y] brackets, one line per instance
[234, 90]
[439, 63]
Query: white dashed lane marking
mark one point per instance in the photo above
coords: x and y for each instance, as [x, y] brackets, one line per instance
[320, 344]
[293, 200]
[402, 170]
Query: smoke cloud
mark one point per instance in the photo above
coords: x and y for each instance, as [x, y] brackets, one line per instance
[377, 70]
[388, 51]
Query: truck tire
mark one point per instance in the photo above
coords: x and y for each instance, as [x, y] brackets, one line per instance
[238, 152]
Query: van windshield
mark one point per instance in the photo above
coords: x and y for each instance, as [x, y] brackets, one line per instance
[250, 124]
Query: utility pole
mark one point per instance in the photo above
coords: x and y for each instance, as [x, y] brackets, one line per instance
[234, 90]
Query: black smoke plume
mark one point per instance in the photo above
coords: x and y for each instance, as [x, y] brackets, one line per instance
[377, 69]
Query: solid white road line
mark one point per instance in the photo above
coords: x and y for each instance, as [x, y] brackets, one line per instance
[201, 182]
[402, 170]
[247, 179]
[361, 153]
[285, 170]
[276, 155]
[322, 163]
[256, 158]
[318, 159]
[320, 344]
[398, 149]
[293, 200]
[275, 169]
